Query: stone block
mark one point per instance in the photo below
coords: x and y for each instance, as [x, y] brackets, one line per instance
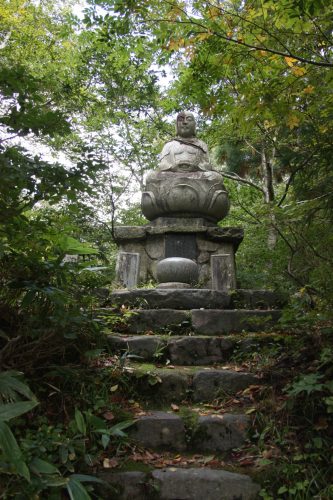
[125, 485]
[208, 385]
[144, 346]
[202, 484]
[215, 322]
[129, 233]
[155, 319]
[159, 430]
[193, 298]
[199, 350]
[206, 245]
[220, 433]
[163, 385]
[127, 269]
[223, 272]
[155, 247]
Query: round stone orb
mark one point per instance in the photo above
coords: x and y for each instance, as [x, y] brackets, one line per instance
[177, 269]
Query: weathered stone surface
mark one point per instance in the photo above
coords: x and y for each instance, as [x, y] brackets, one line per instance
[164, 385]
[256, 299]
[127, 269]
[220, 432]
[207, 385]
[155, 247]
[199, 350]
[214, 322]
[155, 319]
[206, 245]
[144, 346]
[125, 485]
[181, 224]
[203, 484]
[193, 298]
[159, 430]
[223, 272]
[181, 245]
[232, 235]
[129, 232]
[173, 285]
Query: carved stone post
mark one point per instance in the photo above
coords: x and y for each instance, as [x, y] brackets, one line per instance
[127, 269]
[223, 272]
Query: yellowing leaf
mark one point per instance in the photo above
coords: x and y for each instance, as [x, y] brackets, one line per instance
[203, 36]
[214, 12]
[290, 61]
[309, 89]
[176, 44]
[297, 71]
[292, 121]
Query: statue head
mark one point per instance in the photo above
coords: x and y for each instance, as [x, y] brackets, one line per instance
[185, 124]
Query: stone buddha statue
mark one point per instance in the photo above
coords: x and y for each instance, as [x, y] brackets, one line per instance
[185, 183]
[185, 152]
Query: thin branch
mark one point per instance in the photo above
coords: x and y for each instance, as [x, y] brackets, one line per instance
[244, 44]
[237, 178]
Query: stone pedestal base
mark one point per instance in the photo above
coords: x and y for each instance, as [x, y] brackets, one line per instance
[170, 237]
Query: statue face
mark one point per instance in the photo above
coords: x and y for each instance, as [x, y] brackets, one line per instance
[185, 125]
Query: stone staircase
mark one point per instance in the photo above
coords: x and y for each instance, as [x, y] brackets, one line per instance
[184, 340]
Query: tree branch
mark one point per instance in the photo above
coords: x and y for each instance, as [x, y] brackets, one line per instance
[233, 176]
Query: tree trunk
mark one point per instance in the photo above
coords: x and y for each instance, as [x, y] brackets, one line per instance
[267, 170]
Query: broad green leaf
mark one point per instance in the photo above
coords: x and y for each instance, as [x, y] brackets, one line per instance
[9, 381]
[86, 478]
[76, 490]
[12, 410]
[12, 451]
[80, 422]
[40, 466]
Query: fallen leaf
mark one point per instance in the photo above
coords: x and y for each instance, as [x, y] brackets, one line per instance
[108, 415]
[110, 463]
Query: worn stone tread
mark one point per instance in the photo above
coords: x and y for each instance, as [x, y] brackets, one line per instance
[197, 383]
[172, 483]
[217, 322]
[213, 433]
[180, 350]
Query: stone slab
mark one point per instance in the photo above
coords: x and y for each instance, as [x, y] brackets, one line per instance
[203, 484]
[122, 233]
[156, 319]
[146, 347]
[193, 298]
[220, 432]
[127, 269]
[215, 322]
[159, 430]
[163, 385]
[124, 485]
[210, 384]
[199, 350]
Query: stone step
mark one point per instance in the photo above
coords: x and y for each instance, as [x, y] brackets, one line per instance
[194, 298]
[200, 321]
[216, 322]
[199, 384]
[181, 322]
[160, 430]
[173, 483]
[190, 350]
